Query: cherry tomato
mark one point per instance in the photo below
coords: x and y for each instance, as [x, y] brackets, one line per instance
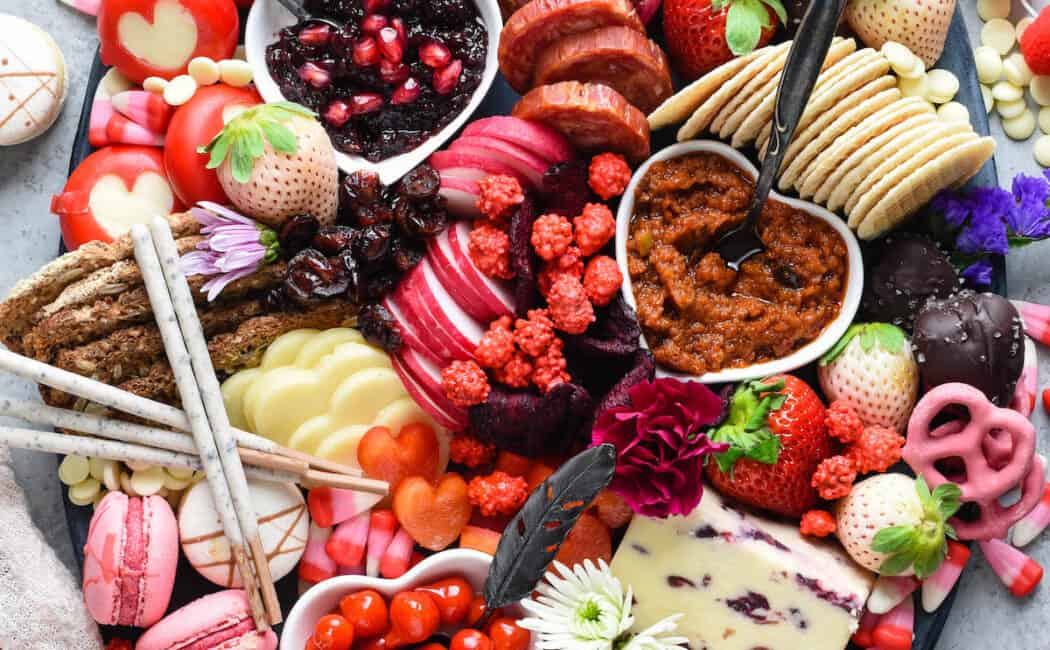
[367, 611]
[158, 38]
[105, 193]
[375, 643]
[334, 632]
[453, 597]
[470, 640]
[414, 616]
[194, 124]
[477, 609]
[506, 635]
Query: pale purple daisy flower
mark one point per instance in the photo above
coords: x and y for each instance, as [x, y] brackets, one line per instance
[235, 247]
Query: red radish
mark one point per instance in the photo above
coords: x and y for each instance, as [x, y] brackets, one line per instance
[425, 380]
[465, 174]
[408, 332]
[421, 398]
[418, 299]
[422, 288]
[453, 159]
[542, 140]
[529, 164]
[468, 329]
[416, 314]
[499, 295]
[461, 196]
[455, 281]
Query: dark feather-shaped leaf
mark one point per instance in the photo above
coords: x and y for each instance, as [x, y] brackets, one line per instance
[533, 537]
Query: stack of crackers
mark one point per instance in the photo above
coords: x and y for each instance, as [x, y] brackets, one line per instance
[860, 147]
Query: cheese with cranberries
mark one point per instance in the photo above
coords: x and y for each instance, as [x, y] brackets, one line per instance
[742, 581]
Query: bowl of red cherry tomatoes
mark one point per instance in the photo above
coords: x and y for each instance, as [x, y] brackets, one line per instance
[434, 606]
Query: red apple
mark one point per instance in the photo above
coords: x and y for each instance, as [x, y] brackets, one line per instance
[525, 162]
[542, 140]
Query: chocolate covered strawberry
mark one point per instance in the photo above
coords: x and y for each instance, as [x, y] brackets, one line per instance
[703, 34]
[777, 437]
[921, 25]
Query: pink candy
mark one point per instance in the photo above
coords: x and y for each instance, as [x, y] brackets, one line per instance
[868, 622]
[89, 7]
[381, 533]
[398, 556]
[330, 506]
[889, 591]
[1034, 523]
[316, 565]
[144, 108]
[997, 447]
[346, 546]
[101, 112]
[1020, 573]
[896, 630]
[123, 131]
[937, 587]
[1036, 320]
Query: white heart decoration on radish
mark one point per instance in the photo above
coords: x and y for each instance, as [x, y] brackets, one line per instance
[117, 209]
[167, 42]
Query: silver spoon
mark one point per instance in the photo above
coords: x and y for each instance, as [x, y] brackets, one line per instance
[302, 15]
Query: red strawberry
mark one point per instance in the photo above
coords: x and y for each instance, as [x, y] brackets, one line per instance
[778, 437]
[703, 34]
[1035, 43]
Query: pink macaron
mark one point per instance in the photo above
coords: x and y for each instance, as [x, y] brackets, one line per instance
[219, 621]
[129, 560]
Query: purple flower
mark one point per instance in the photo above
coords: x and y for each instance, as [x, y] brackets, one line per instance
[978, 274]
[955, 207]
[235, 247]
[1031, 218]
[983, 236]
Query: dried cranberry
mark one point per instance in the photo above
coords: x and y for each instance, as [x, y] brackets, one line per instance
[446, 79]
[435, 54]
[379, 328]
[361, 188]
[377, 286]
[373, 23]
[407, 92]
[337, 113]
[334, 239]
[406, 254]
[420, 183]
[372, 243]
[297, 232]
[419, 220]
[373, 214]
[311, 275]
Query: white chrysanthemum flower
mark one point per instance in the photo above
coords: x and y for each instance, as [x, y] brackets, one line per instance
[650, 638]
[584, 608]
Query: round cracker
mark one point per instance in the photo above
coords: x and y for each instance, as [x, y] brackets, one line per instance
[903, 157]
[827, 160]
[681, 105]
[756, 84]
[702, 116]
[833, 93]
[838, 187]
[762, 114]
[834, 122]
[950, 169]
[737, 119]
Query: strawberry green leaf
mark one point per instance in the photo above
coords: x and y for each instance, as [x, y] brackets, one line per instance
[897, 564]
[890, 338]
[778, 8]
[241, 164]
[746, 427]
[744, 23]
[280, 138]
[219, 148]
[253, 141]
[841, 344]
[948, 498]
[923, 489]
[893, 539]
[921, 544]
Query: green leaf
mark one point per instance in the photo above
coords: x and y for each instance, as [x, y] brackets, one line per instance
[744, 24]
[219, 148]
[867, 339]
[253, 141]
[279, 136]
[893, 539]
[241, 163]
[766, 451]
[896, 564]
[948, 499]
[841, 344]
[778, 9]
[746, 426]
[923, 489]
[891, 338]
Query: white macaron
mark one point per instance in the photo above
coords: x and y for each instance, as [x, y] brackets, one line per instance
[33, 80]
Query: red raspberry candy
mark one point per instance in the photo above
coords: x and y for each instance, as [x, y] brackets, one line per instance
[570, 309]
[490, 251]
[594, 228]
[496, 346]
[602, 280]
[817, 523]
[469, 451]
[534, 335]
[876, 449]
[516, 372]
[498, 493]
[499, 193]
[843, 422]
[608, 175]
[465, 383]
[550, 368]
[551, 236]
[834, 477]
[571, 263]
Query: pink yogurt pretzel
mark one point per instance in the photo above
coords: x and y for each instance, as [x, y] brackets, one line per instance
[996, 446]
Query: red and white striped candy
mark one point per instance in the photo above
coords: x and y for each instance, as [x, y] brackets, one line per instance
[358, 570]
[889, 591]
[1020, 573]
[1036, 320]
[381, 533]
[896, 630]
[1034, 523]
[144, 108]
[121, 129]
[862, 637]
[346, 546]
[315, 565]
[330, 506]
[101, 112]
[398, 556]
[937, 587]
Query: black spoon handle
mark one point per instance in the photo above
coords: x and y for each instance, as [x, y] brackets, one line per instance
[296, 8]
[804, 62]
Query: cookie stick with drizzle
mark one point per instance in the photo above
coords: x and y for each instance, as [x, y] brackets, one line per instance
[179, 359]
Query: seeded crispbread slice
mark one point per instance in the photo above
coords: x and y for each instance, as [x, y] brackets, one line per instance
[838, 187]
[879, 122]
[759, 116]
[834, 122]
[873, 66]
[904, 156]
[949, 169]
[681, 105]
[702, 116]
[757, 83]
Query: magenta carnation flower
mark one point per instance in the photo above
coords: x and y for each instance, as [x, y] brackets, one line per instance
[661, 444]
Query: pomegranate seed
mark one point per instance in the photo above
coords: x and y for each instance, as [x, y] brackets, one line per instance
[362, 103]
[390, 45]
[407, 92]
[365, 52]
[446, 79]
[376, 6]
[373, 23]
[316, 35]
[399, 25]
[434, 54]
[337, 113]
[393, 73]
[315, 75]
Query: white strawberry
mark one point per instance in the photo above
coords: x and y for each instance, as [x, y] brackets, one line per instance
[276, 161]
[872, 368]
[893, 524]
[922, 25]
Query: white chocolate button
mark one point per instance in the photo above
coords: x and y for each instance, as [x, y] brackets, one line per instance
[1042, 150]
[1044, 119]
[148, 482]
[1004, 91]
[943, 84]
[180, 472]
[173, 483]
[991, 9]
[204, 71]
[33, 81]
[114, 83]
[180, 90]
[1016, 70]
[111, 475]
[989, 101]
[999, 33]
[989, 64]
[954, 112]
[917, 87]
[1021, 127]
[137, 466]
[96, 465]
[1040, 89]
[899, 56]
[84, 493]
[235, 72]
[73, 470]
[155, 85]
[1022, 25]
[918, 68]
[1010, 110]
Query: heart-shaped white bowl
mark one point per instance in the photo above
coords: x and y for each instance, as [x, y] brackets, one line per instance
[267, 18]
[323, 598]
[807, 353]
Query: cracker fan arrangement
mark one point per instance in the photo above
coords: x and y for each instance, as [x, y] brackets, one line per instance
[469, 378]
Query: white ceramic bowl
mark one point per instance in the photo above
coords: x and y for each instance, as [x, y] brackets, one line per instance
[806, 354]
[267, 18]
[323, 598]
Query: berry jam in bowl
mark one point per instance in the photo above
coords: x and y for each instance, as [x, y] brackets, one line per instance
[392, 85]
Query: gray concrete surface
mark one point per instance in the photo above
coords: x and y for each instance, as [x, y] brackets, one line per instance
[986, 616]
